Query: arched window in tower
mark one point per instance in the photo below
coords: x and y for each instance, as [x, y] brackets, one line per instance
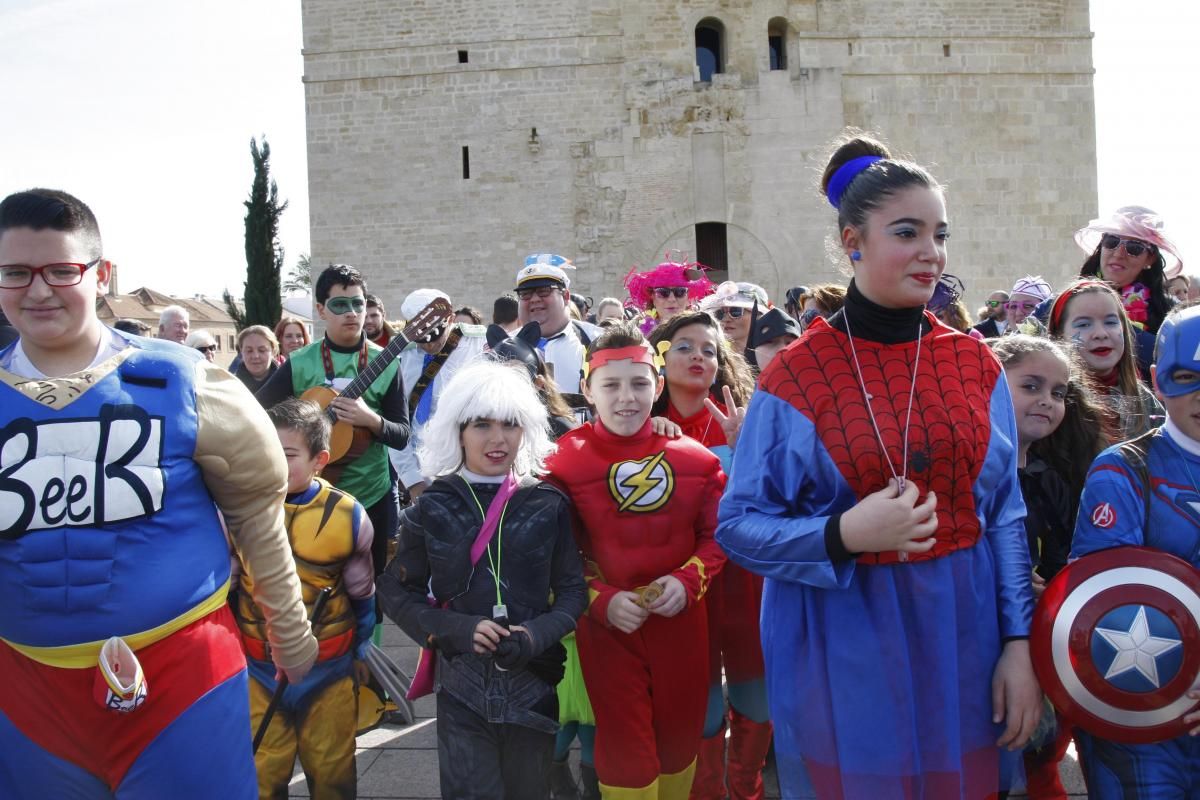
[777, 42]
[710, 41]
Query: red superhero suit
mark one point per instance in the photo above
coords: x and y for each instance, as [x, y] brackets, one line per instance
[646, 506]
[734, 602]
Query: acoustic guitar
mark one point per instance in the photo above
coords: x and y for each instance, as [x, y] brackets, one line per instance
[347, 442]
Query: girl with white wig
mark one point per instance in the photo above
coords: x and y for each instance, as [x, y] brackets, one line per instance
[486, 390]
[488, 577]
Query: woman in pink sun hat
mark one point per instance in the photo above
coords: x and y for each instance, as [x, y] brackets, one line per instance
[1131, 251]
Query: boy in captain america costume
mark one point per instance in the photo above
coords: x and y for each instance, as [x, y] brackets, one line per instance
[116, 453]
[645, 510]
[1114, 511]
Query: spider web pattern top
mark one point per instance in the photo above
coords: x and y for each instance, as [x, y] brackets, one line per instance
[951, 418]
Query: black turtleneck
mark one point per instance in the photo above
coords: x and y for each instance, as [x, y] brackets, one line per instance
[393, 405]
[876, 323]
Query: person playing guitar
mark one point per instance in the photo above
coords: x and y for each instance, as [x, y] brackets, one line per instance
[381, 409]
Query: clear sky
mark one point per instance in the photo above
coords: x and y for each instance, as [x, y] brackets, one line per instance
[145, 109]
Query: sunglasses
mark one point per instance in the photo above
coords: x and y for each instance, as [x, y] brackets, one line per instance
[542, 292]
[344, 305]
[1017, 305]
[994, 303]
[1132, 246]
[733, 313]
[668, 291]
[208, 348]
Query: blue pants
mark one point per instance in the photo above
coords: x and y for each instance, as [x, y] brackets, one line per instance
[1167, 770]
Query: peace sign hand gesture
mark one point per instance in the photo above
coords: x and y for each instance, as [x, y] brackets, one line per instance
[731, 419]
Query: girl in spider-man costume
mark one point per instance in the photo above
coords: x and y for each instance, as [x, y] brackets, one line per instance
[699, 368]
[646, 509]
[875, 488]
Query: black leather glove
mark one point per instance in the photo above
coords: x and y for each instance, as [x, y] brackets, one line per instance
[454, 633]
[514, 651]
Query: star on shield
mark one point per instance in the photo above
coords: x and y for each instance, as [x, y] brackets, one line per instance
[1137, 649]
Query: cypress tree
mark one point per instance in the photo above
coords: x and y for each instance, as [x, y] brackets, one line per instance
[264, 253]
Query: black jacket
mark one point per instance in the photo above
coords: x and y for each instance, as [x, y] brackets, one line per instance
[541, 574]
[988, 329]
[1049, 523]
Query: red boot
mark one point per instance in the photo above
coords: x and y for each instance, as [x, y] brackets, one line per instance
[748, 744]
[709, 783]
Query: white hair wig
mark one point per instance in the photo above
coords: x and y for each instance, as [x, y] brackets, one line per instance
[486, 389]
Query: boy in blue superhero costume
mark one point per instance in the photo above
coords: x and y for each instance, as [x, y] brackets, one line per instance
[116, 453]
[1114, 511]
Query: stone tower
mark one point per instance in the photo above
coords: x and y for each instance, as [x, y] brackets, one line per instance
[449, 138]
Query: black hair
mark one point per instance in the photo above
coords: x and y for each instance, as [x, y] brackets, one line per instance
[1086, 427]
[373, 301]
[1153, 276]
[40, 209]
[472, 312]
[306, 418]
[732, 368]
[873, 186]
[342, 275]
[506, 309]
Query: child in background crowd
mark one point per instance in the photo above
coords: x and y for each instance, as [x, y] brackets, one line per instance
[1060, 429]
[699, 368]
[498, 622]
[645, 513]
[331, 537]
[1115, 511]
[1090, 315]
[773, 331]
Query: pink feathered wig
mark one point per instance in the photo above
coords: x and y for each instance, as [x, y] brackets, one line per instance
[641, 285]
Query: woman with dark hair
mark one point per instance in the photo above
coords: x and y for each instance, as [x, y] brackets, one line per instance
[706, 389]
[895, 617]
[1130, 251]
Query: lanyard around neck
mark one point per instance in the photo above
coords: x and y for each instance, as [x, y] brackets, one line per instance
[496, 564]
[327, 358]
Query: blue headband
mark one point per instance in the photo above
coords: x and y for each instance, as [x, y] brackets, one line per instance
[845, 174]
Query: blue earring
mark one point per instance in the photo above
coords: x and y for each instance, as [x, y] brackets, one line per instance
[855, 255]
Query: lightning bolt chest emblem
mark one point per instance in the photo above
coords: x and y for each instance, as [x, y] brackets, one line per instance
[642, 485]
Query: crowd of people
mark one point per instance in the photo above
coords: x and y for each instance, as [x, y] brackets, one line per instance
[716, 528]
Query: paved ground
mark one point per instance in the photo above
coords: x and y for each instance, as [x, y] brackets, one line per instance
[400, 763]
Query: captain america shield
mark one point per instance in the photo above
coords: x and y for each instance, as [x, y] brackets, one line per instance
[1116, 643]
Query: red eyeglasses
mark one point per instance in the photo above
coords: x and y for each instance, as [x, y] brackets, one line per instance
[18, 276]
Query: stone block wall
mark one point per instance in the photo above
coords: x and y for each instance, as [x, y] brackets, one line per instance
[631, 152]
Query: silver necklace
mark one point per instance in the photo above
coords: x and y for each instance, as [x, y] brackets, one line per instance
[901, 477]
